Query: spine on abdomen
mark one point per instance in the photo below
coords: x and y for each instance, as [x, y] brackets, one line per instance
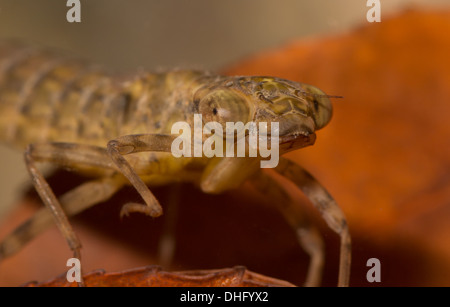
[47, 97]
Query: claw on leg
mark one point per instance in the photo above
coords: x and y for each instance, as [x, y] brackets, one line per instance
[140, 208]
[132, 144]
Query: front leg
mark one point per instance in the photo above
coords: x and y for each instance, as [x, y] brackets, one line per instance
[107, 163]
[222, 174]
[132, 144]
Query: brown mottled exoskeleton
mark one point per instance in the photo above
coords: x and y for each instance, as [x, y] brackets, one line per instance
[70, 113]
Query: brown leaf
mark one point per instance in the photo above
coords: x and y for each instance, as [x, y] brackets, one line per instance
[153, 276]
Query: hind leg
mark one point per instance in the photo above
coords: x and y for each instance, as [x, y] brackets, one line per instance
[73, 202]
[69, 155]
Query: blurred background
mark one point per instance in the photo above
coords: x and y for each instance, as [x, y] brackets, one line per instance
[204, 34]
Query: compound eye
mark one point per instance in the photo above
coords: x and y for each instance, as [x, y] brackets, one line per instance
[222, 106]
[320, 105]
[322, 111]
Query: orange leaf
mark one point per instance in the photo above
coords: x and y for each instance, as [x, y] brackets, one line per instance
[386, 154]
[153, 276]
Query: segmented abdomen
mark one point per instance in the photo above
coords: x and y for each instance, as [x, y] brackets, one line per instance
[49, 97]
